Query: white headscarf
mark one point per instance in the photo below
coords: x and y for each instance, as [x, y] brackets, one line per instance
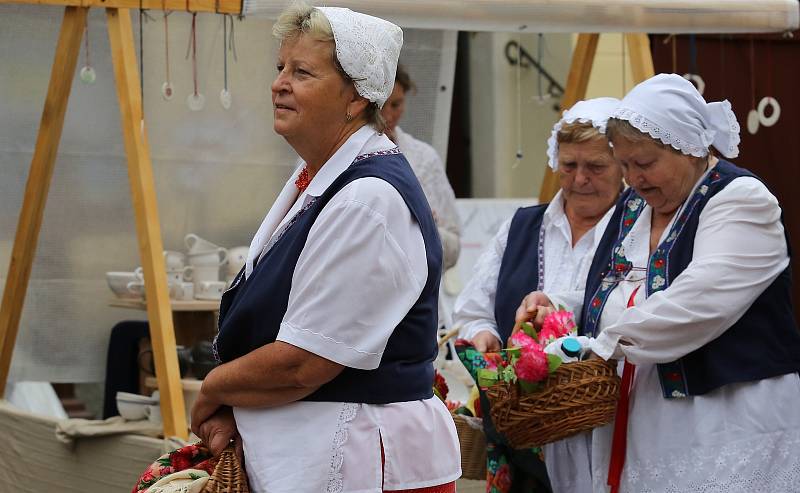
[595, 111]
[669, 109]
[367, 48]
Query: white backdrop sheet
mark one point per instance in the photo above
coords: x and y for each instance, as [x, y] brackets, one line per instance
[216, 171]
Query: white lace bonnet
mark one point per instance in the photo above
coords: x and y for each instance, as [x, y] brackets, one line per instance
[367, 48]
[669, 109]
[595, 111]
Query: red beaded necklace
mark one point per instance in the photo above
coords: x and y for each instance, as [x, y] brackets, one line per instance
[302, 180]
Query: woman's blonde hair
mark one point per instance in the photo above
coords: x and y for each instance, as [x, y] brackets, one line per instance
[302, 19]
[577, 132]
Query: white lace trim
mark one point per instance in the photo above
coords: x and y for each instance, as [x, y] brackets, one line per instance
[346, 415]
[646, 126]
[765, 463]
[552, 142]
[731, 149]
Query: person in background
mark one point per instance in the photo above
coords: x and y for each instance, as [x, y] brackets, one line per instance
[544, 247]
[327, 335]
[428, 167]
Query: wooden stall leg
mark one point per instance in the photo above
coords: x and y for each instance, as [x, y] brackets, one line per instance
[577, 82]
[640, 55]
[145, 207]
[38, 185]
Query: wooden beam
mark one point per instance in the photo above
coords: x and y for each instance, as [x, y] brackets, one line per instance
[577, 82]
[640, 56]
[218, 6]
[38, 185]
[140, 172]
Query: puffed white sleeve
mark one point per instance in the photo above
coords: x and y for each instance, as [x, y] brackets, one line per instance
[739, 249]
[362, 269]
[442, 200]
[474, 307]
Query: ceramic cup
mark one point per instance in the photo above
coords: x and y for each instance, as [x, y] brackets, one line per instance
[118, 282]
[153, 413]
[195, 244]
[177, 276]
[237, 256]
[135, 289]
[209, 290]
[216, 257]
[183, 291]
[174, 260]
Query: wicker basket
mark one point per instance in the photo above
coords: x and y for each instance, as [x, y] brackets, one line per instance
[578, 396]
[228, 476]
[473, 446]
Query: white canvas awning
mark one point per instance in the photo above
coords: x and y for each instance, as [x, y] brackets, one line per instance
[651, 16]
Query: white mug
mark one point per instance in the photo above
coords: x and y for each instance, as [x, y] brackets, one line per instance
[195, 244]
[209, 290]
[205, 273]
[136, 289]
[174, 260]
[183, 291]
[177, 276]
[237, 256]
[153, 413]
[214, 257]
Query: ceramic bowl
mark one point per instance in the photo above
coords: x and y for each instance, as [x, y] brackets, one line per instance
[118, 282]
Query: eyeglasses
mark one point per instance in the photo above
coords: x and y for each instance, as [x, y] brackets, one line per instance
[616, 276]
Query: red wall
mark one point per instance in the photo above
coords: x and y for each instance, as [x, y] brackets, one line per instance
[772, 153]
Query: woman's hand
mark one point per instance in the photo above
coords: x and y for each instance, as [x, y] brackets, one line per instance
[534, 308]
[484, 341]
[218, 431]
[203, 409]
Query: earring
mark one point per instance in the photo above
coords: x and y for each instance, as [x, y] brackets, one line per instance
[348, 117]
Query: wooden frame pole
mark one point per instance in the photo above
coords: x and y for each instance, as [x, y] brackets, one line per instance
[38, 185]
[140, 172]
[640, 56]
[577, 82]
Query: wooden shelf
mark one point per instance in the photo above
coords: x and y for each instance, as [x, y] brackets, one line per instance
[177, 305]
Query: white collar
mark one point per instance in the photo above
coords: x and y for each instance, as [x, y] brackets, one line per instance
[555, 215]
[288, 197]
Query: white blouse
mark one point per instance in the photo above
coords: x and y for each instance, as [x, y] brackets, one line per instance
[741, 437]
[565, 270]
[363, 267]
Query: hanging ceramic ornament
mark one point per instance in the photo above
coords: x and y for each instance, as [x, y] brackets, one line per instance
[167, 91]
[775, 114]
[698, 82]
[166, 88]
[225, 99]
[88, 75]
[753, 121]
[196, 101]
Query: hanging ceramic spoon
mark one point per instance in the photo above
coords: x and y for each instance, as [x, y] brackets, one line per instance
[166, 87]
[87, 74]
[195, 100]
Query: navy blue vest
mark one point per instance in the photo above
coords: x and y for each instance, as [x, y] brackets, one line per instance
[763, 343]
[519, 269]
[251, 312]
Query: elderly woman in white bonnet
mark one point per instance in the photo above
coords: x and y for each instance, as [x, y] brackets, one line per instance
[327, 336]
[691, 287]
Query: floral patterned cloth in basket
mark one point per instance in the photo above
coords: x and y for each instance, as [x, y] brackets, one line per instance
[507, 469]
[194, 461]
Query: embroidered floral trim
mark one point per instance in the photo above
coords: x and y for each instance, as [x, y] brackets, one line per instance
[386, 152]
[540, 281]
[764, 463]
[346, 415]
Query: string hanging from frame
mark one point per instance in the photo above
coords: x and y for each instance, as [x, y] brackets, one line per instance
[768, 102]
[87, 75]
[693, 75]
